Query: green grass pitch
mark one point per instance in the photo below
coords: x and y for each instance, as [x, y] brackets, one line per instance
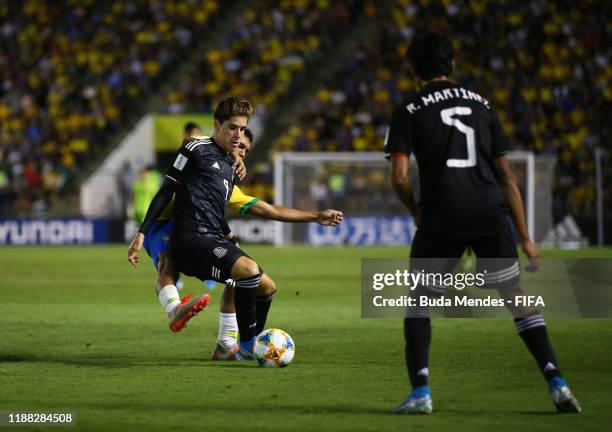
[82, 331]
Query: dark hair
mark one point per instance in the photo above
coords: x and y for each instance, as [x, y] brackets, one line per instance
[431, 55]
[189, 127]
[249, 134]
[233, 106]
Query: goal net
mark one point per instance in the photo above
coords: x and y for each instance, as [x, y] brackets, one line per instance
[358, 184]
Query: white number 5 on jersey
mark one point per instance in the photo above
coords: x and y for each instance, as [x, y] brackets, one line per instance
[448, 119]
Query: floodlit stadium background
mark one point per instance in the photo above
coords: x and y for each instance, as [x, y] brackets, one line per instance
[80, 78]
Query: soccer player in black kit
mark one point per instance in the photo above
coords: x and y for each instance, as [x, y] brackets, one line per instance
[202, 179]
[467, 189]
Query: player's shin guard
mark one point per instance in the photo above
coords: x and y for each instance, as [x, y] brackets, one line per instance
[417, 333]
[246, 313]
[532, 330]
[263, 304]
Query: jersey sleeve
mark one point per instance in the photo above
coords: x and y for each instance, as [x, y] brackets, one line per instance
[499, 141]
[186, 157]
[181, 165]
[398, 140]
[240, 202]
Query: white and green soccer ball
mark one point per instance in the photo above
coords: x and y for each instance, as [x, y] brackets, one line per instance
[274, 348]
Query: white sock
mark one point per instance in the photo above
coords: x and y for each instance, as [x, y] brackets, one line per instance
[169, 298]
[228, 329]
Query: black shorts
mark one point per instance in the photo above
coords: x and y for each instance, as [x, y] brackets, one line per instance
[205, 257]
[496, 254]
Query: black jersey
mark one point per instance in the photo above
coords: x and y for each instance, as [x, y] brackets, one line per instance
[205, 177]
[455, 136]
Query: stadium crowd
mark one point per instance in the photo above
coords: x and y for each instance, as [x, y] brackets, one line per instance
[271, 43]
[71, 73]
[545, 66]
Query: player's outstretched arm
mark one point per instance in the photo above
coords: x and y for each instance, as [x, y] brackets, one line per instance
[515, 203]
[401, 184]
[264, 210]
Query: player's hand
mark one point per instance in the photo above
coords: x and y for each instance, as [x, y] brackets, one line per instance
[134, 248]
[330, 217]
[532, 253]
[239, 168]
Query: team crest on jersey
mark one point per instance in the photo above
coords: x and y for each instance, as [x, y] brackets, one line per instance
[165, 238]
[220, 252]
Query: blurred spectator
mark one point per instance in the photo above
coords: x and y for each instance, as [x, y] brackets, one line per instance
[270, 45]
[4, 189]
[125, 181]
[192, 129]
[143, 190]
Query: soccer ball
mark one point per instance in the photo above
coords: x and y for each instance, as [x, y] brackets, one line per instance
[274, 348]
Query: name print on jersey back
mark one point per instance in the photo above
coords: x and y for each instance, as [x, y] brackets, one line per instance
[446, 94]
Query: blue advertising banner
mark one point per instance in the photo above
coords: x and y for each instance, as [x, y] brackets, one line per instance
[383, 230]
[59, 231]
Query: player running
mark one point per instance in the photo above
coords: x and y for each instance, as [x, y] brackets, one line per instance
[466, 190]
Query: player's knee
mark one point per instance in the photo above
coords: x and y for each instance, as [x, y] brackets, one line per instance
[267, 284]
[244, 268]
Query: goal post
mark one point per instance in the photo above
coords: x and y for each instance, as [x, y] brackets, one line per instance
[358, 184]
[528, 185]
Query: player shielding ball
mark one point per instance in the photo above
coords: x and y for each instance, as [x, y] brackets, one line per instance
[202, 179]
[157, 242]
[157, 245]
[466, 190]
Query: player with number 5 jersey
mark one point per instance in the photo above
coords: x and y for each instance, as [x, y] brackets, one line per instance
[455, 136]
[468, 193]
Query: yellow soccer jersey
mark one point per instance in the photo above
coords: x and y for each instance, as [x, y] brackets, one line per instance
[239, 202]
[168, 212]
